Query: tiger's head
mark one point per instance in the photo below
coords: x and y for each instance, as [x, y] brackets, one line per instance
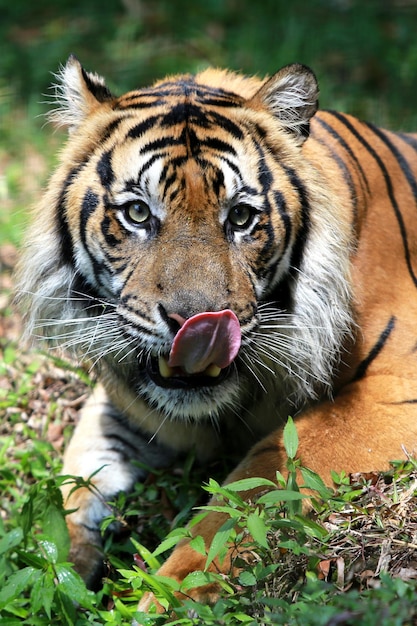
[188, 246]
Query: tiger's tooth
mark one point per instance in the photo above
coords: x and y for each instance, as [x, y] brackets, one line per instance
[164, 369]
[213, 371]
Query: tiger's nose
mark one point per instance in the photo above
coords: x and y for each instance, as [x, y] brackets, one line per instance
[174, 321]
[185, 304]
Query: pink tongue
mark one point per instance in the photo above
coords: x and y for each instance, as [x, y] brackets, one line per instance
[206, 339]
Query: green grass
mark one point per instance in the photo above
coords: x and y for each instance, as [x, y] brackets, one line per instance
[283, 582]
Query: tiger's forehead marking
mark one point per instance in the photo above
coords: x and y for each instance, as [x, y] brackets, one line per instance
[166, 93]
[186, 105]
[176, 122]
[187, 147]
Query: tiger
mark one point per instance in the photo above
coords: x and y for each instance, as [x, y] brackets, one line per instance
[223, 254]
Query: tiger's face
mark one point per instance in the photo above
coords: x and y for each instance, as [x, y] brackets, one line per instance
[180, 224]
[192, 226]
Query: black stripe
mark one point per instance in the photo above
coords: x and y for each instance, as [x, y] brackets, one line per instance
[227, 125]
[347, 177]
[235, 169]
[162, 143]
[218, 144]
[341, 162]
[411, 140]
[220, 102]
[88, 207]
[217, 181]
[382, 340]
[283, 213]
[264, 173]
[126, 302]
[67, 246]
[139, 103]
[405, 168]
[187, 86]
[145, 168]
[268, 249]
[105, 170]
[123, 441]
[388, 182]
[346, 146]
[110, 128]
[111, 239]
[168, 182]
[99, 91]
[143, 127]
[401, 160]
[265, 179]
[184, 112]
[302, 235]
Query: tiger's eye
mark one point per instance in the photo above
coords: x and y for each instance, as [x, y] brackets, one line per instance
[138, 212]
[240, 215]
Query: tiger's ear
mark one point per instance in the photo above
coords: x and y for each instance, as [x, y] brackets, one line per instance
[291, 95]
[77, 94]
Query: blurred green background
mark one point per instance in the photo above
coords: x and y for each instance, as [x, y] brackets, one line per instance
[364, 53]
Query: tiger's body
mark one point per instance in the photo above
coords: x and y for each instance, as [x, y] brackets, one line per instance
[225, 195]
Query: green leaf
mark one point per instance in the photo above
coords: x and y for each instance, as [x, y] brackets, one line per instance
[220, 540]
[146, 555]
[314, 482]
[55, 527]
[66, 607]
[34, 560]
[16, 584]
[171, 540]
[27, 517]
[196, 579]
[247, 579]
[49, 549]
[294, 506]
[290, 438]
[280, 495]
[11, 540]
[215, 489]
[197, 543]
[246, 484]
[280, 479]
[258, 529]
[42, 594]
[72, 585]
[162, 587]
[235, 513]
[200, 579]
[198, 518]
[312, 528]
[122, 610]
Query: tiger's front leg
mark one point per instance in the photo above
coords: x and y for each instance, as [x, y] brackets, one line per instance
[103, 444]
[369, 424]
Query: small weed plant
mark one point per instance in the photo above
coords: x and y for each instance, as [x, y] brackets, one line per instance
[289, 567]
